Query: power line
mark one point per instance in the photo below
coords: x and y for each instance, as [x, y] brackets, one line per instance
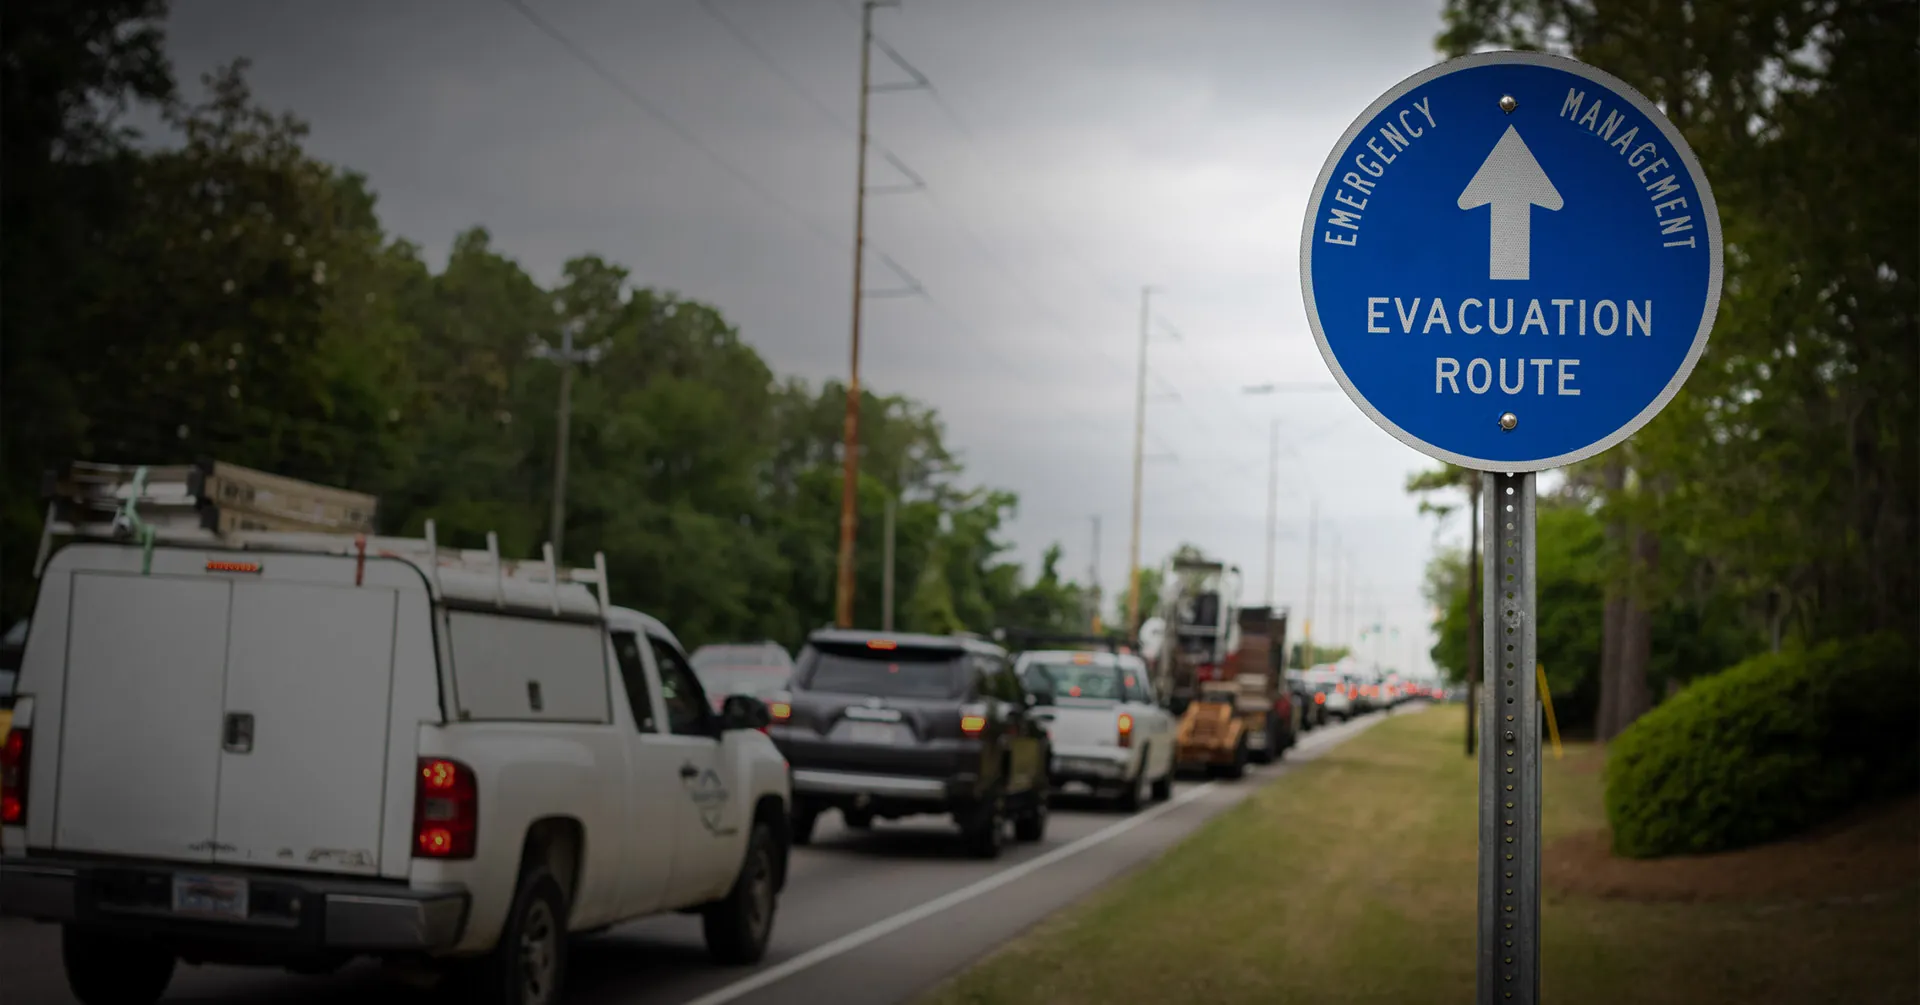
[922, 83]
[685, 134]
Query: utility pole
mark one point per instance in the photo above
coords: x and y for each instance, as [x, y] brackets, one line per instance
[1093, 575]
[1273, 500]
[1333, 591]
[1139, 449]
[850, 480]
[566, 356]
[1313, 543]
[886, 573]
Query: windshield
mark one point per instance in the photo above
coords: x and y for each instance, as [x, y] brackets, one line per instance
[905, 672]
[1071, 680]
[725, 680]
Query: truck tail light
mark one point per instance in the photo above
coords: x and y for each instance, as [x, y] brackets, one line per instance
[446, 810]
[1126, 730]
[14, 753]
[973, 720]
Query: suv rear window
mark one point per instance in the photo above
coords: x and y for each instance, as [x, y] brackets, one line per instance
[906, 672]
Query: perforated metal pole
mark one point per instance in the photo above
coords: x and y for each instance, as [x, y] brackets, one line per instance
[1509, 936]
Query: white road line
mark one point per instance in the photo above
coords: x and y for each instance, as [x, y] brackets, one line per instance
[887, 926]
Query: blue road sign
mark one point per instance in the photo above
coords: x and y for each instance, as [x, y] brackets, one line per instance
[1511, 261]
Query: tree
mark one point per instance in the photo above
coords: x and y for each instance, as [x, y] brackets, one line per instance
[1776, 496]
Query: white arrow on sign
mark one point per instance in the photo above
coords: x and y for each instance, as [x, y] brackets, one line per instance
[1512, 183]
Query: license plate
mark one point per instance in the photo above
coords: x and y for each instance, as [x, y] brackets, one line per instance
[871, 732]
[210, 896]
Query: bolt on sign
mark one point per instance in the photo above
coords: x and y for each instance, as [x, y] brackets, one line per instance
[1511, 261]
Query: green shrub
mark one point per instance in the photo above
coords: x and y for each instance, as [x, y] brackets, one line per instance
[1767, 748]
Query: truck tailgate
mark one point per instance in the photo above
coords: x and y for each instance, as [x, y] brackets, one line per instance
[1090, 725]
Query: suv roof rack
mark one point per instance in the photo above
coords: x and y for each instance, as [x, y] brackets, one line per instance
[257, 511]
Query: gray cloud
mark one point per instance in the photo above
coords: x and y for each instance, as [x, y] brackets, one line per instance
[1091, 147]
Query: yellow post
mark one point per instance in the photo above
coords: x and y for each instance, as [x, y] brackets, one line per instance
[1546, 696]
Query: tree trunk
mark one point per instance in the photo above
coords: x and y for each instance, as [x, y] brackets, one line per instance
[1636, 651]
[1607, 720]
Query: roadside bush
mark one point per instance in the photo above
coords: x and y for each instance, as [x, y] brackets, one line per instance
[1767, 748]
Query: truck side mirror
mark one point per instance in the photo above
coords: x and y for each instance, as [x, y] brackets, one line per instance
[742, 711]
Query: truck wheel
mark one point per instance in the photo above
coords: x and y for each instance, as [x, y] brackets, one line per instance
[529, 963]
[1239, 765]
[1137, 791]
[800, 825]
[986, 832]
[738, 927]
[104, 969]
[1032, 825]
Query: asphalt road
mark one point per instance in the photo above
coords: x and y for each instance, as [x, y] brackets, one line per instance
[867, 918]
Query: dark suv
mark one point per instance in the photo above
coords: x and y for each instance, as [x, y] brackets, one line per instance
[896, 725]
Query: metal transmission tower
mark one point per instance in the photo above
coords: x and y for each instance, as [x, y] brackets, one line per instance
[567, 356]
[850, 461]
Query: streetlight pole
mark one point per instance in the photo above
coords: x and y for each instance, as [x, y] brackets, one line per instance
[566, 356]
[1139, 457]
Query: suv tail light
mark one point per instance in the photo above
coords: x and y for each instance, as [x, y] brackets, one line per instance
[973, 720]
[446, 810]
[1126, 730]
[780, 706]
[13, 775]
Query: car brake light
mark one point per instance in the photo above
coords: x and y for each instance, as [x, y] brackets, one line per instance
[446, 810]
[780, 707]
[13, 776]
[1126, 730]
[218, 566]
[1319, 697]
[973, 720]
[882, 644]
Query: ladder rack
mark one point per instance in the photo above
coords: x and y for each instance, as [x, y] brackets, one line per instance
[149, 506]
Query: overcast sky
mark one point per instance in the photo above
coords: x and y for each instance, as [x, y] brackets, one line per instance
[1072, 152]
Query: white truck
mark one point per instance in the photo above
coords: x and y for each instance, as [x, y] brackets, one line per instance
[293, 749]
[1105, 728]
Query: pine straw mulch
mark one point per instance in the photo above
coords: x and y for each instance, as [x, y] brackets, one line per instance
[1872, 852]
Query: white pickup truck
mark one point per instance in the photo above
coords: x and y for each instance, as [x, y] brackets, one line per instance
[296, 749]
[1106, 731]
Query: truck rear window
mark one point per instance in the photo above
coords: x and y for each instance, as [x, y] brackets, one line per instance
[1069, 680]
[905, 672]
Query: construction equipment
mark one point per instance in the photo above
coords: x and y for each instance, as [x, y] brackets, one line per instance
[1202, 626]
[1201, 629]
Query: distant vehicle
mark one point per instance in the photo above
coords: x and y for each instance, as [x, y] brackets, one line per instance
[1329, 693]
[1312, 713]
[1107, 732]
[894, 725]
[292, 749]
[755, 669]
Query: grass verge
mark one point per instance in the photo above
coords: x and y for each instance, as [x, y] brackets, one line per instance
[1352, 881]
